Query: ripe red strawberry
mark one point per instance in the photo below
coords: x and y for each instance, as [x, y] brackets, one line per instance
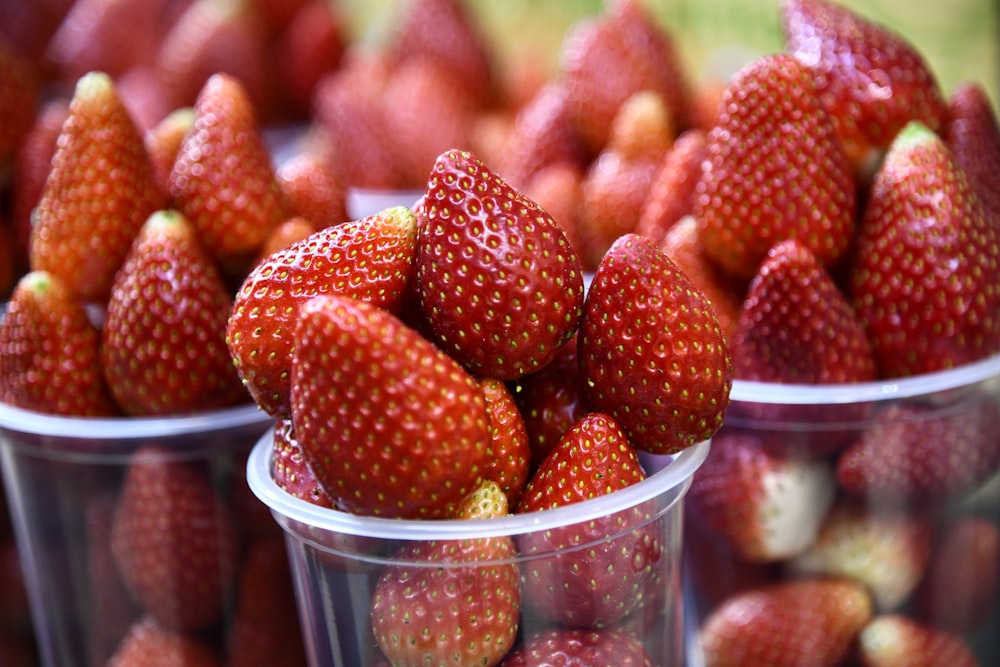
[370, 394]
[464, 608]
[897, 641]
[496, 277]
[223, 179]
[972, 133]
[556, 189]
[763, 505]
[651, 350]
[289, 469]
[369, 259]
[510, 451]
[962, 585]
[885, 550]
[577, 647]
[19, 88]
[795, 622]
[173, 540]
[915, 454]
[869, 78]
[163, 143]
[148, 644]
[615, 558]
[925, 278]
[290, 231]
[49, 352]
[672, 193]
[311, 191]
[775, 170]
[309, 47]
[163, 345]
[797, 327]
[87, 218]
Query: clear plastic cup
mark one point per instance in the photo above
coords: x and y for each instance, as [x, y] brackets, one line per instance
[932, 528]
[337, 559]
[64, 480]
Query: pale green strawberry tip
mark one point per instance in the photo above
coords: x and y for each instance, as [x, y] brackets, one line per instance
[915, 133]
[93, 84]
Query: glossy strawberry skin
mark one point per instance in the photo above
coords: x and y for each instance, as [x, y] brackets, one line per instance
[672, 193]
[496, 277]
[651, 350]
[576, 647]
[925, 278]
[370, 259]
[289, 469]
[509, 445]
[163, 346]
[86, 219]
[972, 133]
[775, 170]
[49, 352]
[363, 388]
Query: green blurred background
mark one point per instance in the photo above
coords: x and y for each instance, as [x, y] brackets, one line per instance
[959, 38]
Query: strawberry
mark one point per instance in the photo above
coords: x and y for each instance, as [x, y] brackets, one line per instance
[87, 218]
[49, 352]
[762, 505]
[310, 46]
[972, 134]
[893, 640]
[775, 170]
[651, 351]
[796, 622]
[369, 259]
[510, 451]
[887, 551]
[289, 469]
[797, 327]
[918, 455]
[290, 231]
[578, 647]
[672, 192]
[870, 79]
[925, 278]
[173, 540]
[389, 424]
[311, 191]
[20, 87]
[163, 342]
[557, 189]
[465, 608]
[496, 277]
[163, 143]
[614, 558]
[961, 598]
[223, 179]
[149, 644]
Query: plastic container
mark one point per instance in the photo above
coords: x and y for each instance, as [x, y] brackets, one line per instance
[77, 534]
[924, 537]
[338, 559]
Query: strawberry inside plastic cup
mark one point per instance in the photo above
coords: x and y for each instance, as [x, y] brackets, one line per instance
[358, 577]
[893, 485]
[130, 527]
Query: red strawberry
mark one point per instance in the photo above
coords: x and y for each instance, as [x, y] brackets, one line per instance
[797, 622]
[163, 343]
[887, 551]
[510, 451]
[464, 608]
[150, 645]
[557, 189]
[972, 133]
[369, 259]
[49, 352]
[163, 143]
[291, 231]
[173, 540]
[763, 505]
[577, 647]
[223, 179]
[87, 218]
[869, 78]
[496, 277]
[797, 327]
[311, 191]
[389, 424]
[916, 454]
[774, 171]
[601, 579]
[672, 193]
[925, 278]
[310, 46]
[19, 89]
[962, 585]
[897, 641]
[289, 469]
[651, 350]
